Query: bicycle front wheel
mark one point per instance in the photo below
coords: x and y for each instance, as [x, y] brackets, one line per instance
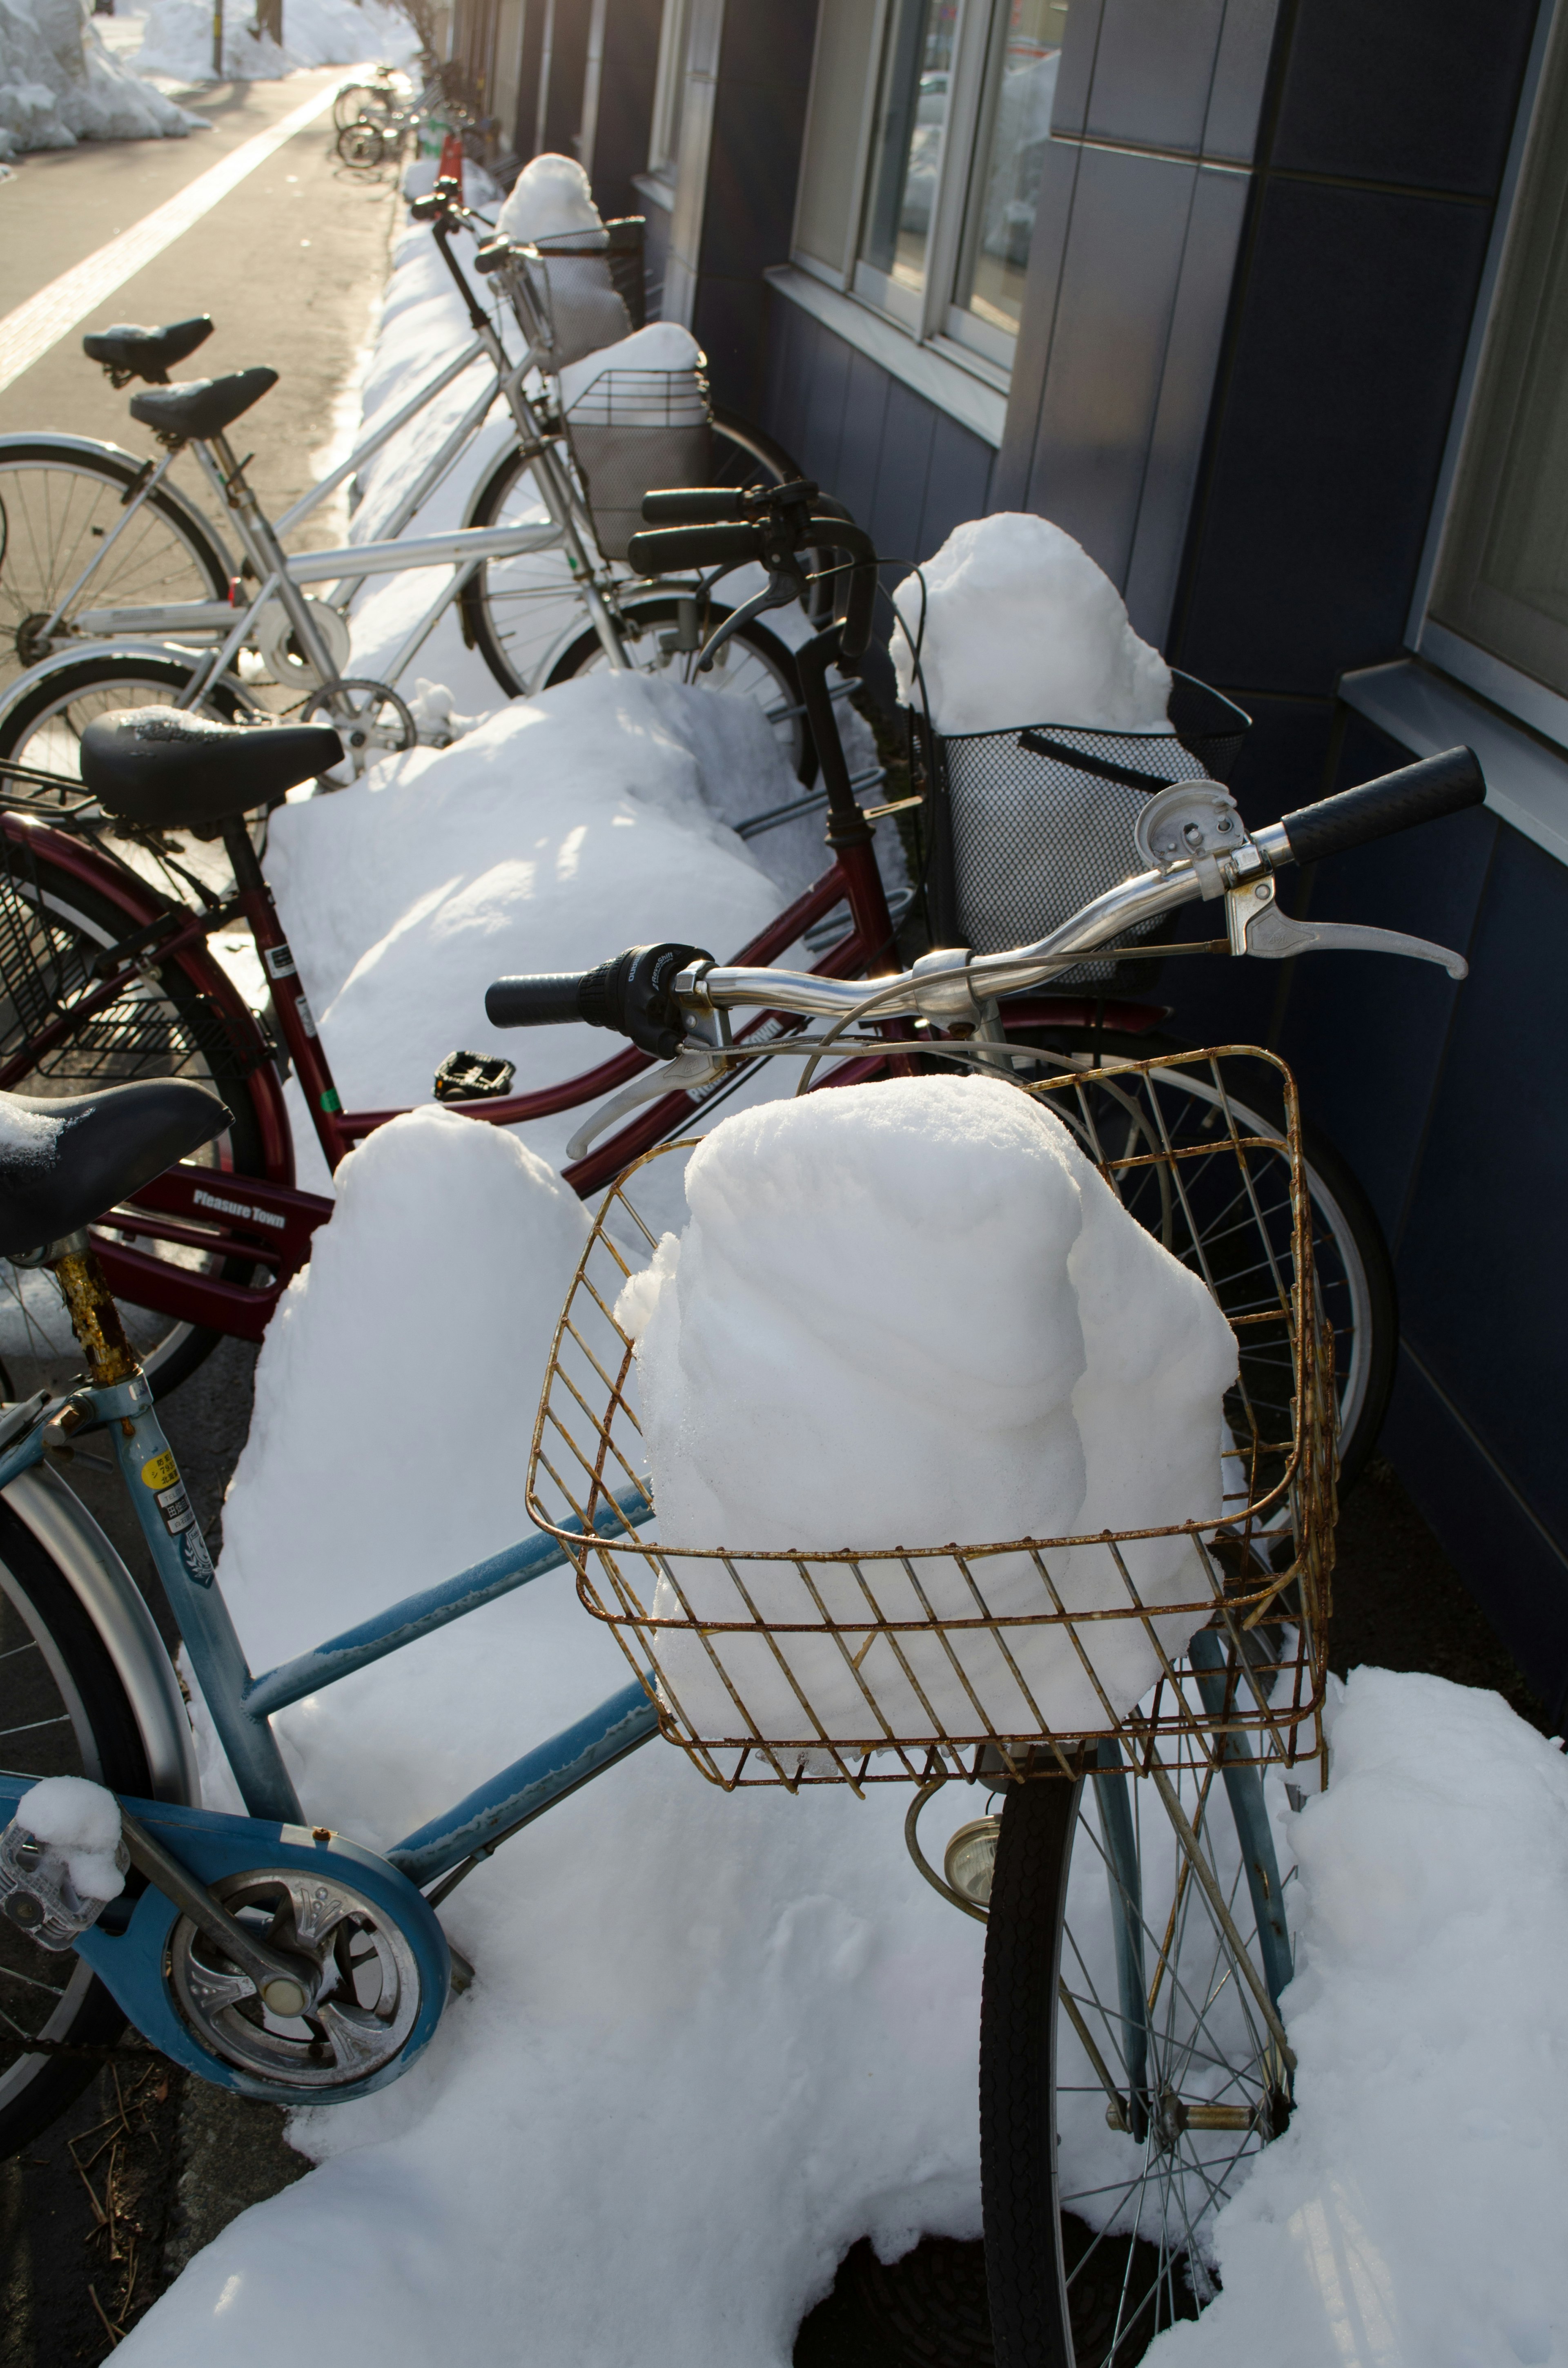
[51, 927]
[755, 664]
[64, 1712]
[1128, 2072]
[1219, 1231]
[61, 500]
[362, 147]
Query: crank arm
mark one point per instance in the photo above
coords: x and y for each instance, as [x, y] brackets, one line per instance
[1257, 926]
[286, 1986]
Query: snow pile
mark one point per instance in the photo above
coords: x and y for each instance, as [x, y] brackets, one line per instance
[758, 1974]
[1411, 2216]
[565, 828]
[715, 2039]
[178, 39]
[550, 198]
[82, 1821]
[1021, 627]
[663, 346]
[59, 83]
[907, 1314]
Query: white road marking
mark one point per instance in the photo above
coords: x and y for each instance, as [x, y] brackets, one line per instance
[53, 312]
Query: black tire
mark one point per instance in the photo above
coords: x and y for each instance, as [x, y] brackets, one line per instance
[63, 1712]
[1355, 1272]
[1097, 2215]
[51, 927]
[362, 147]
[755, 664]
[57, 497]
[41, 723]
[512, 609]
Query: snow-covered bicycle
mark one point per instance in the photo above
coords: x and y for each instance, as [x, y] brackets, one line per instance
[1137, 1916]
[116, 589]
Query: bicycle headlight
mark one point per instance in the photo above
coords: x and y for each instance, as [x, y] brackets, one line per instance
[969, 1860]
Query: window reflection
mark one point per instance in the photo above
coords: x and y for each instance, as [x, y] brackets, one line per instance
[912, 113]
[1010, 156]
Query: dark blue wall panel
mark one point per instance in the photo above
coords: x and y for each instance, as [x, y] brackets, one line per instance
[907, 469]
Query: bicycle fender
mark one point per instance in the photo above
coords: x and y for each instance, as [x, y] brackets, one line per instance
[212, 1845]
[113, 1603]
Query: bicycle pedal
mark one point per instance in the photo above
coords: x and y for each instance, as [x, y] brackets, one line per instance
[472, 1078]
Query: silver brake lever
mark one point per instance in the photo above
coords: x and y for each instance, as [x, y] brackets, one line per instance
[691, 1068]
[1257, 926]
[779, 592]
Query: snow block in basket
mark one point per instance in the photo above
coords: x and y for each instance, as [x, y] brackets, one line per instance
[911, 1314]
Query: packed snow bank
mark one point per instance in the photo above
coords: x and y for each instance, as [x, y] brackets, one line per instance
[59, 83]
[714, 2039]
[82, 1820]
[1021, 627]
[922, 1295]
[550, 197]
[682, 2084]
[1411, 2216]
[178, 39]
[563, 829]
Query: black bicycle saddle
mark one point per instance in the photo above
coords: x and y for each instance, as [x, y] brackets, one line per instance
[129, 352]
[63, 1163]
[175, 771]
[204, 408]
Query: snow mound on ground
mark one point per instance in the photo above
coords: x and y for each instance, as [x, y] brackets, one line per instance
[59, 83]
[82, 1821]
[565, 828]
[1411, 2216]
[905, 1313]
[759, 1974]
[551, 195]
[178, 39]
[1022, 627]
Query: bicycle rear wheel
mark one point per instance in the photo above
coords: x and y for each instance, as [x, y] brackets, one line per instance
[43, 722]
[64, 1712]
[61, 499]
[1129, 2074]
[51, 927]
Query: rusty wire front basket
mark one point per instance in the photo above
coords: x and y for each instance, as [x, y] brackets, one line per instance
[1182, 1143]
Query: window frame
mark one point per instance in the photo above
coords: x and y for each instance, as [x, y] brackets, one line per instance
[669, 81]
[1533, 702]
[930, 318]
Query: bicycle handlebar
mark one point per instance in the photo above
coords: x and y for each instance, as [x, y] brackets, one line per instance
[693, 505]
[1416, 793]
[772, 539]
[649, 992]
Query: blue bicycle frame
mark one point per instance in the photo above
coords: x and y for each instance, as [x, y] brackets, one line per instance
[127, 1952]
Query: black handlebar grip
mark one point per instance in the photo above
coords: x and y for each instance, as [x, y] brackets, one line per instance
[676, 550]
[692, 505]
[1416, 793]
[540, 1002]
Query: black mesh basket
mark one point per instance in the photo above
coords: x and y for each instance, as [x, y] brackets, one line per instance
[1028, 825]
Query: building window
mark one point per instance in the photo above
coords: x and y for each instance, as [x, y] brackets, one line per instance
[923, 153]
[1500, 584]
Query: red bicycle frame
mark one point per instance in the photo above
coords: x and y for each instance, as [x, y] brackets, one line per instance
[264, 1220]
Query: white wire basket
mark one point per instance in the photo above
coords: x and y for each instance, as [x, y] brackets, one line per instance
[632, 429]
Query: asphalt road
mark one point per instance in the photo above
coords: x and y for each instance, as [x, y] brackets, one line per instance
[107, 2207]
[290, 264]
